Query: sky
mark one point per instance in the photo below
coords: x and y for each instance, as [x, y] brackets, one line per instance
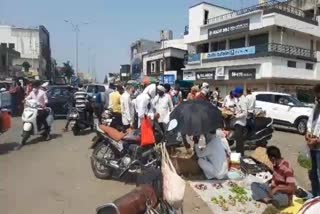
[104, 43]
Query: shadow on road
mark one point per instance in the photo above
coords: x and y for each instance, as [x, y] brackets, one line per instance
[5, 148]
[40, 139]
[287, 130]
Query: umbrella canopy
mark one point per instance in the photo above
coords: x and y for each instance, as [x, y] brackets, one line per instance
[197, 117]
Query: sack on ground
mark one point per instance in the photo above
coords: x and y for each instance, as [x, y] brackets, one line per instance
[173, 185]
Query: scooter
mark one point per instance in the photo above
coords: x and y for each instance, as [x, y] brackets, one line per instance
[78, 121]
[257, 136]
[31, 123]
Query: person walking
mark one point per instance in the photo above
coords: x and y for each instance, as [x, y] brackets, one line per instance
[127, 110]
[313, 141]
[163, 106]
[115, 105]
[216, 96]
[239, 121]
[143, 103]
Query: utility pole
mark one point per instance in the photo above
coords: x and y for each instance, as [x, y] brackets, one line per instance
[76, 29]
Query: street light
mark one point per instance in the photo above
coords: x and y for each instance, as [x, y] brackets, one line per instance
[76, 29]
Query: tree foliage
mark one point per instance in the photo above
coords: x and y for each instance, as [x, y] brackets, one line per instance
[26, 66]
[67, 70]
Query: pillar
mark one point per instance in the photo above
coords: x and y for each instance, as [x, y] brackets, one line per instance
[227, 44]
[247, 40]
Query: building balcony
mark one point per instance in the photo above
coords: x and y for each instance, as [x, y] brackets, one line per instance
[271, 6]
[264, 50]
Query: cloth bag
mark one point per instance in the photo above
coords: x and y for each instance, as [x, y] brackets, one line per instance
[147, 134]
[173, 185]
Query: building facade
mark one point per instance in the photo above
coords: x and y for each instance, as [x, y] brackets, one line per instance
[137, 50]
[33, 45]
[7, 57]
[166, 64]
[270, 46]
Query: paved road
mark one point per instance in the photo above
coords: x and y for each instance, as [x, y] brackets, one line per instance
[55, 177]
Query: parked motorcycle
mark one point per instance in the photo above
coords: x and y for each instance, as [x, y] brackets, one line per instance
[31, 123]
[259, 135]
[116, 153]
[106, 117]
[79, 120]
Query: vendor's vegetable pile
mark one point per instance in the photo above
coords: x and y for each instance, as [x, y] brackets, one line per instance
[239, 195]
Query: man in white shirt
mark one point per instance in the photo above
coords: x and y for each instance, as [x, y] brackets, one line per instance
[41, 97]
[240, 119]
[143, 103]
[127, 110]
[163, 106]
[251, 104]
[230, 101]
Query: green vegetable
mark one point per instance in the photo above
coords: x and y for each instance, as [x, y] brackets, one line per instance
[304, 162]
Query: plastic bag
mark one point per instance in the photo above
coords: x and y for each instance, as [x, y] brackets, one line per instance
[304, 159]
[311, 206]
[147, 134]
[173, 185]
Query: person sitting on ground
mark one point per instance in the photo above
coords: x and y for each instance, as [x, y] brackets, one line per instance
[213, 159]
[283, 182]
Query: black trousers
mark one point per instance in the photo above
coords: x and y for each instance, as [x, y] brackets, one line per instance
[42, 118]
[239, 132]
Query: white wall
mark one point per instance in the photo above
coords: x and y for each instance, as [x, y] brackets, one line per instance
[160, 55]
[174, 43]
[196, 18]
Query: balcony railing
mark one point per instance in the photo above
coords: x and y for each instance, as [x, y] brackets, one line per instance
[270, 49]
[269, 5]
[286, 50]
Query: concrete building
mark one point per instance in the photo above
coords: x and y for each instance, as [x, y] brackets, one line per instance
[270, 46]
[137, 49]
[7, 57]
[33, 45]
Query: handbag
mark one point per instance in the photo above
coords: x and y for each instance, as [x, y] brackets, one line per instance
[147, 134]
[173, 185]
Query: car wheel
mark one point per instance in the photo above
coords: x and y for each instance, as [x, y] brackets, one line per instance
[302, 126]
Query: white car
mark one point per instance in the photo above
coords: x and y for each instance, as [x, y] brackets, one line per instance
[285, 109]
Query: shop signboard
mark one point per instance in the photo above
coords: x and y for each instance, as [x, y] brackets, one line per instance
[194, 59]
[168, 79]
[205, 75]
[229, 29]
[242, 74]
[189, 75]
[231, 53]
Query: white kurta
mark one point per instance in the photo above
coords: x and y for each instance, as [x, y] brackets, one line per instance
[163, 106]
[127, 110]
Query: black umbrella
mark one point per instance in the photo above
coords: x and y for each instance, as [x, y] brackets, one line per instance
[197, 117]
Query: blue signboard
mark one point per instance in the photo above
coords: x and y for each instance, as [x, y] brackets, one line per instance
[231, 53]
[194, 58]
[168, 79]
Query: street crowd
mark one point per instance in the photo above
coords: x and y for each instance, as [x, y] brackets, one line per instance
[130, 105]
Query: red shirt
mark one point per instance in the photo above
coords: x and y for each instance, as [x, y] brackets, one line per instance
[283, 175]
[201, 96]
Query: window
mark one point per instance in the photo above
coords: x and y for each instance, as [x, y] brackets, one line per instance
[3, 60]
[264, 98]
[11, 46]
[206, 16]
[203, 48]
[238, 43]
[3, 45]
[91, 88]
[309, 66]
[218, 46]
[292, 64]
[287, 100]
[260, 39]
[161, 65]
[153, 67]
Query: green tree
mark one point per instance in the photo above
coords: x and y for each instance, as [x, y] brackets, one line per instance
[67, 70]
[26, 66]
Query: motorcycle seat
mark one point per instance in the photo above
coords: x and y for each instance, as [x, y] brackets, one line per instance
[112, 132]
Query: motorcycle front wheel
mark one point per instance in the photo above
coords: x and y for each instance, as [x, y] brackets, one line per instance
[25, 137]
[101, 152]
